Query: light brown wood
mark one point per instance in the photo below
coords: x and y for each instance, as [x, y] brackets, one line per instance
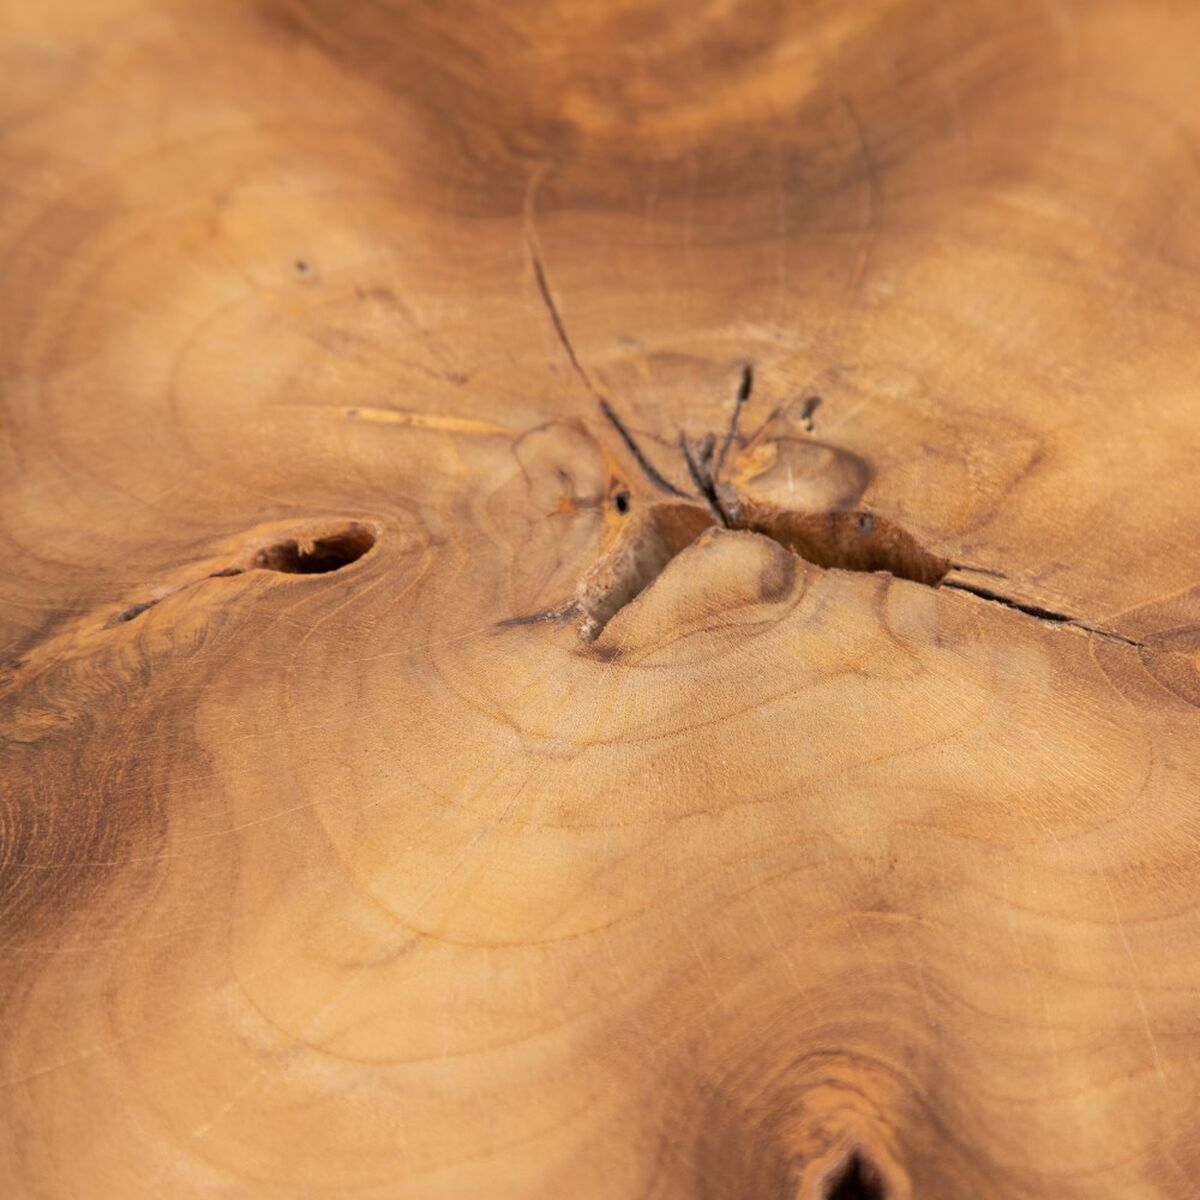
[418, 782]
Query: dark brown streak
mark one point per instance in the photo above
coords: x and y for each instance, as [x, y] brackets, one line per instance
[651, 471]
[745, 387]
[811, 404]
[703, 480]
[556, 319]
[962, 566]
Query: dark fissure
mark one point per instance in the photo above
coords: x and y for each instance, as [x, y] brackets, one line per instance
[855, 1179]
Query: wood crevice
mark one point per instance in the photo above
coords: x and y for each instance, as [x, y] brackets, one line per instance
[854, 1179]
[1046, 615]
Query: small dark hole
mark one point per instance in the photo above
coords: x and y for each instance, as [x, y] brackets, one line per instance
[855, 1179]
[621, 500]
[331, 552]
[133, 611]
[301, 265]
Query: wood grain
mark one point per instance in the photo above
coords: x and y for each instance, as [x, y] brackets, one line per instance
[419, 780]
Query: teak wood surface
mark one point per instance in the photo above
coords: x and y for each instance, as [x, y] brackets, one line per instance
[599, 600]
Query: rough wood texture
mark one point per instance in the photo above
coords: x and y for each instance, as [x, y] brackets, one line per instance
[420, 780]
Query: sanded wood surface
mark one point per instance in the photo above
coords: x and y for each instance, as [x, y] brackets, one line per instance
[600, 600]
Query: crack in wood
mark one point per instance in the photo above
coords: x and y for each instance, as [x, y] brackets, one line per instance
[302, 554]
[539, 272]
[704, 474]
[543, 284]
[745, 387]
[702, 477]
[651, 472]
[855, 1179]
[1039, 613]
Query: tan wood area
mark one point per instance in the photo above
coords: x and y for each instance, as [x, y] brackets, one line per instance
[600, 601]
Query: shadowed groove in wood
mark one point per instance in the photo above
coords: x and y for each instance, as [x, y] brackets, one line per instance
[647, 543]
[855, 1179]
[847, 541]
[300, 554]
[843, 540]
[319, 555]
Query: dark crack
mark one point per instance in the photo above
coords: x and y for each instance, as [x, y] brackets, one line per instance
[556, 320]
[648, 468]
[855, 1179]
[651, 472]
[834, 540]
[1041, 614]
[701, 474]
[745, 387]
[132, 612]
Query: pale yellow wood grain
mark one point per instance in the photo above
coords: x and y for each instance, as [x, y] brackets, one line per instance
[327, 869]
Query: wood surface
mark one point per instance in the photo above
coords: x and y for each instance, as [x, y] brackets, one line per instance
[599, 599]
